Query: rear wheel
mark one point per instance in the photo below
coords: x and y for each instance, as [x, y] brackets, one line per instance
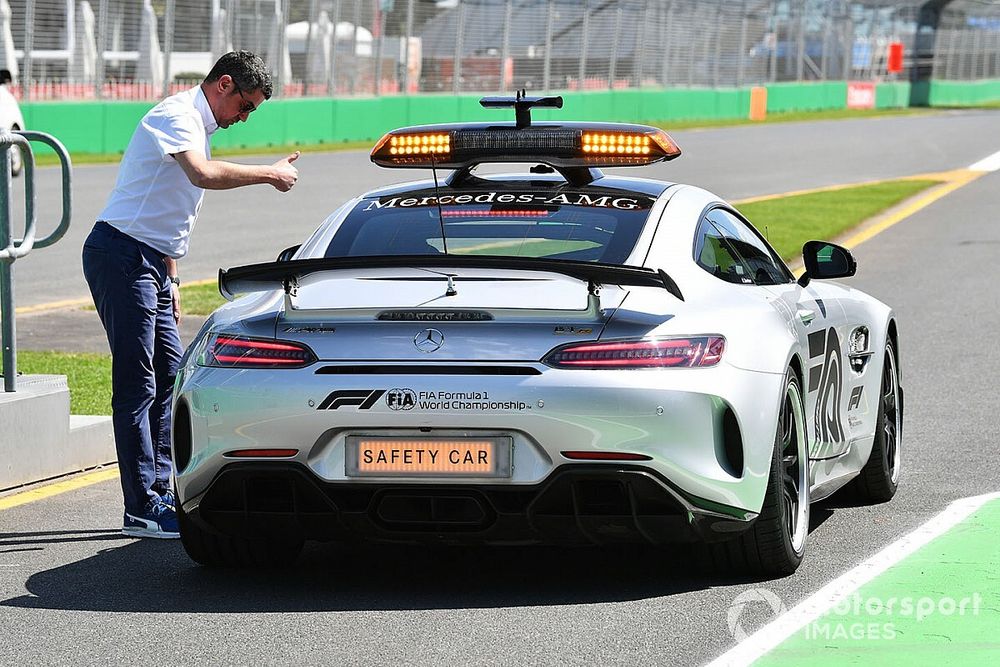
[213, 549]
[776, 542]
[878, 480]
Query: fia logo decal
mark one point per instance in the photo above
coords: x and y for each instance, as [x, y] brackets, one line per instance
[401, 399]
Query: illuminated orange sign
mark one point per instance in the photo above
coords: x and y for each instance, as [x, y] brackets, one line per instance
[394, 456]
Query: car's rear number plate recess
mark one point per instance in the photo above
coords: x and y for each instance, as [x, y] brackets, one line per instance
[396, 456]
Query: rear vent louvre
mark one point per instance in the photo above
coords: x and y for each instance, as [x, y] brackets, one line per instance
[426, 370]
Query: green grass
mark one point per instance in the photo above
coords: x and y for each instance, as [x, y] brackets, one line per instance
[88, 376]
[200, 299]
[789, 222]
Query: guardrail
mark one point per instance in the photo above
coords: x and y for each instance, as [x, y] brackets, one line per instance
[12, 249]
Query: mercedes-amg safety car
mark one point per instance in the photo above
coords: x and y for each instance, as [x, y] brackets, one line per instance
[555, 356]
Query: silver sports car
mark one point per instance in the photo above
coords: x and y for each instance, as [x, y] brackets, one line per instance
[554, 356]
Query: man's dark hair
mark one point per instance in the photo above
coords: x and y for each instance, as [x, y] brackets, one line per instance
[247, 70]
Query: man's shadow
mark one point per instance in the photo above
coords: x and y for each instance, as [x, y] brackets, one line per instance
[158, 576]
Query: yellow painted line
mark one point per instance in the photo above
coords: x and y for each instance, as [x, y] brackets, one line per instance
[57, 488]
[52, 305]
[961, 178]
[80, 303]
[953, 180]
[934, 176]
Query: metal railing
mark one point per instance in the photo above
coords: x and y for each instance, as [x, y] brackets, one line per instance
[145, 49]
[13, 249]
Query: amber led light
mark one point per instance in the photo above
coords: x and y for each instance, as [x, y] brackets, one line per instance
[617, 143]
[419, 144]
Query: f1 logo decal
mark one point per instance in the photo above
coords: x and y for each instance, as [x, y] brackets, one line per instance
[855, 398]
[363, 398]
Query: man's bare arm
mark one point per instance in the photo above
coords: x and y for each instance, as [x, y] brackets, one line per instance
[222, 175]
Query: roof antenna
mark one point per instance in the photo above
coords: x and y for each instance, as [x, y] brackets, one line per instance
[437, 200]
[522, 106]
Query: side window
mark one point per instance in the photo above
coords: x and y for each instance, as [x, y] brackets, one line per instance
[730, 250]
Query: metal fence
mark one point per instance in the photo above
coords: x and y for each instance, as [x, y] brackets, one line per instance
[143, 49]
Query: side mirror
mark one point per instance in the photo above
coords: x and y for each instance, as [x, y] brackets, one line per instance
[287, 253]
[826, 260]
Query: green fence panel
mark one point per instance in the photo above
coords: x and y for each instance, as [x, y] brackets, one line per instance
[892, 95]
[265, 127]
[120, 121]
[963, 93]
[431, 109]
[784, 97]
[79, 125]
[358, 119]
[308, 121]
[105, 127]
[733, 103]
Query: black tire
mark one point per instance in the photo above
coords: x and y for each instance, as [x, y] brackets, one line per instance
[775, 543]
[216, 550]
[879, 478]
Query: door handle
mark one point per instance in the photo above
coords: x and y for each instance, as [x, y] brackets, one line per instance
[806, 316]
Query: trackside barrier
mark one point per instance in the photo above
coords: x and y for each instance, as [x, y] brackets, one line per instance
[13, 249]
[106, 127]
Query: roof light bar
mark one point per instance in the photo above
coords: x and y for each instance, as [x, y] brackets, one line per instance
[560, 145]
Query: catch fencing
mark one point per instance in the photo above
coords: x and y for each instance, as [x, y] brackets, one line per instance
[143, 49]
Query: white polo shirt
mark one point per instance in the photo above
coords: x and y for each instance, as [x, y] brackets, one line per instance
[153, 200]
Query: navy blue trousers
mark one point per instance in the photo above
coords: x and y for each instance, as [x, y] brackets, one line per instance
[128, 281]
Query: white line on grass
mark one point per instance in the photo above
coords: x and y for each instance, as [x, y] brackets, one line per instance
[991, 163]
[817, 604]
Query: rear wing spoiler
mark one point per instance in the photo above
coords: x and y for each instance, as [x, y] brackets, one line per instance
[285, 275]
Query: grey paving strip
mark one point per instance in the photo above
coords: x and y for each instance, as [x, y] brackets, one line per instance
[78, 330]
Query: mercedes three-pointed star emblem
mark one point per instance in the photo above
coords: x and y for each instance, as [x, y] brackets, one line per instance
[429, 340]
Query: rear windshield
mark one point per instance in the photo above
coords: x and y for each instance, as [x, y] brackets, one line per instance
[587, 225]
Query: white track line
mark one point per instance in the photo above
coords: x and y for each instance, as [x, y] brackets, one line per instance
[991, 163]
[768, 637]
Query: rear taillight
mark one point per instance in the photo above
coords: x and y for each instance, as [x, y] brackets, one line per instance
[690, 352]
[240, 352]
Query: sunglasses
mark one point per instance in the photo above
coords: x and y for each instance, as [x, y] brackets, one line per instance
[247, 106]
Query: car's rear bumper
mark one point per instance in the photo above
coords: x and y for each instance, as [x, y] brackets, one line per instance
[576, 504]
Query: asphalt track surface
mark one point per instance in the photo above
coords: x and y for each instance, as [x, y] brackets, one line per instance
[74, 591]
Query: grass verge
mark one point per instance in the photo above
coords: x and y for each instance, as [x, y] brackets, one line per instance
[88, 376]
[788, 222]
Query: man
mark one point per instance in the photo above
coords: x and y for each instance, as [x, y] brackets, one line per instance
[130, 262]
